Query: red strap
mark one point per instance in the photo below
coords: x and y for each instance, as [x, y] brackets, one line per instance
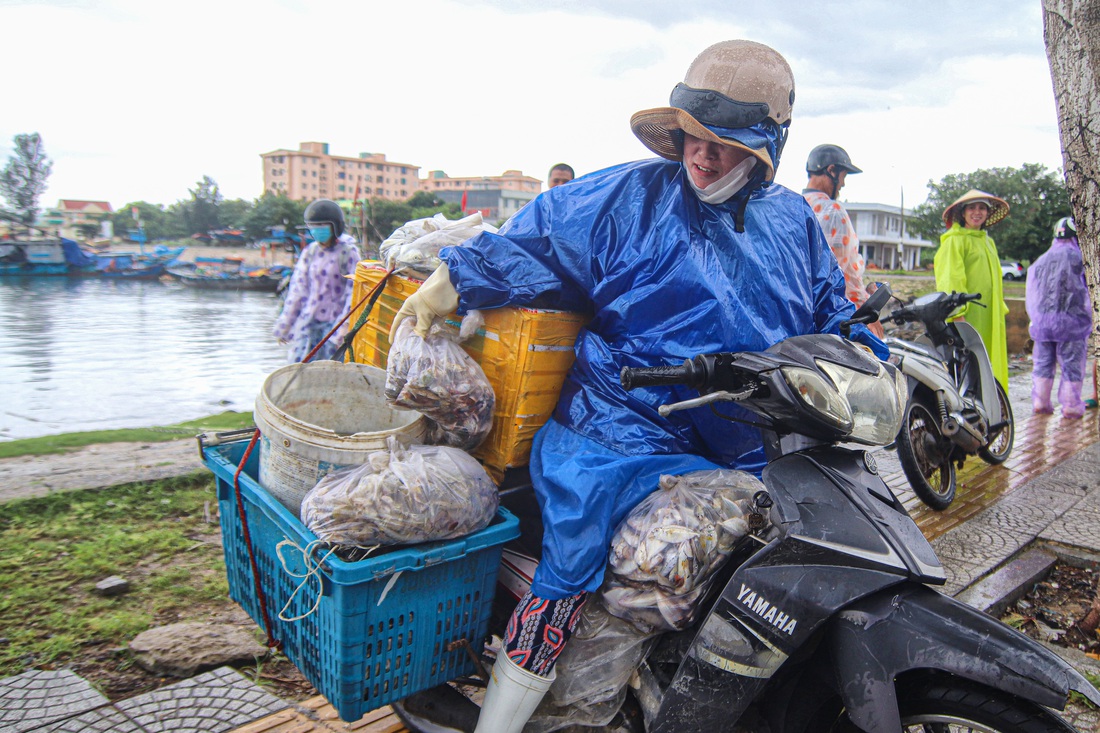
[272, 642]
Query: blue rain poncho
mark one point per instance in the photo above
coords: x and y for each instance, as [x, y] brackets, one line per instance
[664, 277]
[1057, 297]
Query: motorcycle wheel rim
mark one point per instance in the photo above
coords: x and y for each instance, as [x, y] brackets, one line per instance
[939, 723]
[935, 472]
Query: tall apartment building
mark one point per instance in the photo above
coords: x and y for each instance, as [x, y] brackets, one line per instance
[496, 197]
[310, 172]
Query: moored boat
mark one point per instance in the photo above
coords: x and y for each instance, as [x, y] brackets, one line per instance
[228, 273]
[58, 256]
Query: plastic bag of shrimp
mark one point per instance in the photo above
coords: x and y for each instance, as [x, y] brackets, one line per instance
[665, 551]
[437, 378]
[402, 495]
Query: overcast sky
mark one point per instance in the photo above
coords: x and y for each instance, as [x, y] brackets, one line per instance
[138, 99]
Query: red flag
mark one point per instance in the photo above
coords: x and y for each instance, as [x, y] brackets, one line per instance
[463, 202]
[356, 193]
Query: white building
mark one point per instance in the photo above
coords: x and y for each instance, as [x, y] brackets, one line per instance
[884, 239]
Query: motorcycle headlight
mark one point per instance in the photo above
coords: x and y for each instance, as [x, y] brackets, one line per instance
[820, 396]
[876, 401]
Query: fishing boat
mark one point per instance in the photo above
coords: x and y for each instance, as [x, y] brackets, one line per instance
[58, 256]
[228, 273]
[229, 236]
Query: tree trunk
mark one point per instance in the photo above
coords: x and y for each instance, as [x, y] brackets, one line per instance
[1071, 30]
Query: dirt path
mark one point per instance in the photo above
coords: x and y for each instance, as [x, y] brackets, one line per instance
[95, 466]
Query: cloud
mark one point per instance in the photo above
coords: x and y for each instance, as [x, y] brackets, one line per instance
[145, 98]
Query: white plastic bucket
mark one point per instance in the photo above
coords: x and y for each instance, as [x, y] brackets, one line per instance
[319, 417]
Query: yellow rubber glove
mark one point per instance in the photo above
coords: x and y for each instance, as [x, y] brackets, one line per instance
[436, 297]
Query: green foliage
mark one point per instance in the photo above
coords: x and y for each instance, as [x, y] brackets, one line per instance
[234, 213]
[157, 222]
[1037, 198]
[23, 179]
[272, 210]
[200, 213]
[54, 549]
[384, 216]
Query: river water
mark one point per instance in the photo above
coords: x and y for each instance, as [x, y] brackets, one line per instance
[82, 354]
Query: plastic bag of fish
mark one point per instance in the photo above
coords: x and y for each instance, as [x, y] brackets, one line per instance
[664, 554]
[416, 244]
[592, 672]
[437, 378]
[402, 495]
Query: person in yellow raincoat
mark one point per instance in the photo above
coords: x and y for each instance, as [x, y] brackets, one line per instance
[967, 262]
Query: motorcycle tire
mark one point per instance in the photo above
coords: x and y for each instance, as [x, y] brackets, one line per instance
[925, 456]
[956, 705]
[953, 705]
[997, 450]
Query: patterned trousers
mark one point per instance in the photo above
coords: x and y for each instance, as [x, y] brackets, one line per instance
[538, 630]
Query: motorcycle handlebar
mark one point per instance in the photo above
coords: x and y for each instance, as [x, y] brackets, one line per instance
[632, 377]
[909, 313]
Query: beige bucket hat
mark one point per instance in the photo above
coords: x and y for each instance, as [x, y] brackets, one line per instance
[731, 86]
[998, 207]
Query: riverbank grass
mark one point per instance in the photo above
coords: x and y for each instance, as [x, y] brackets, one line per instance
[161, 536]
[48, 444]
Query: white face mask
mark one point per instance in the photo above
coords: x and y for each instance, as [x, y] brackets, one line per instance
[726, 186]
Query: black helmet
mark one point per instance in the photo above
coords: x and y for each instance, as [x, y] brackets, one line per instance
[323, 211]
[824, 156]
[1066, 228]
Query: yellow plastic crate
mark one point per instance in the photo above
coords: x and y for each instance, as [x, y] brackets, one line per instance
[525, 353]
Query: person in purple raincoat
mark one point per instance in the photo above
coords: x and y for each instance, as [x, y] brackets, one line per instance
[1061, 319]
[319, 294]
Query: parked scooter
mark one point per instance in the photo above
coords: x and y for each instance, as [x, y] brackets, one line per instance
[957, 408]
[830, 625]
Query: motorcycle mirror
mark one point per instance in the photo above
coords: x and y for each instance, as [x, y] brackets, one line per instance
[868, 312]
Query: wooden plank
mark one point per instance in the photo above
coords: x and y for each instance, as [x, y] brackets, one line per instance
[316, 715]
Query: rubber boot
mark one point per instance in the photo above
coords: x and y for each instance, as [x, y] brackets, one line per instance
[1069, 395]
[1040, 395]
[511, 698]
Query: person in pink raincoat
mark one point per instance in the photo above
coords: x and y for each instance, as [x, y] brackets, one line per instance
[1060, 310]
[827, 167]
[319, 294]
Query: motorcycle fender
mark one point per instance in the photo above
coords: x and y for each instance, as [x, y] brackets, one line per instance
[973, 341]
[890, 633]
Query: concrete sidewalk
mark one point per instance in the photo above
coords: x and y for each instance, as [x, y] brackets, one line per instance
[1046, 495]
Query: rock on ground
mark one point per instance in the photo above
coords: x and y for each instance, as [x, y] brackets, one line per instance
[185, 649]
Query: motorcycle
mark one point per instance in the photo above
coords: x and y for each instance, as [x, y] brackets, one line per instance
[827, 623]
[956, 407]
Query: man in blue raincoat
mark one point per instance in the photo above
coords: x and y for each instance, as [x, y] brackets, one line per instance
[693, 252]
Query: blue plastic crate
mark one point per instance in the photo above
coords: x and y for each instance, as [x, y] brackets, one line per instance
[385, 627]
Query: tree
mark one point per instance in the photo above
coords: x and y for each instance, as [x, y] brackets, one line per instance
[1036, 197]
[23, 180]
[200, 212]
[384, 216]
[155, 220]
[1071, 30]
[271, 210]
[234, 212]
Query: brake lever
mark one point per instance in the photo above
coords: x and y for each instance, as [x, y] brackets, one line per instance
[721, 396]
